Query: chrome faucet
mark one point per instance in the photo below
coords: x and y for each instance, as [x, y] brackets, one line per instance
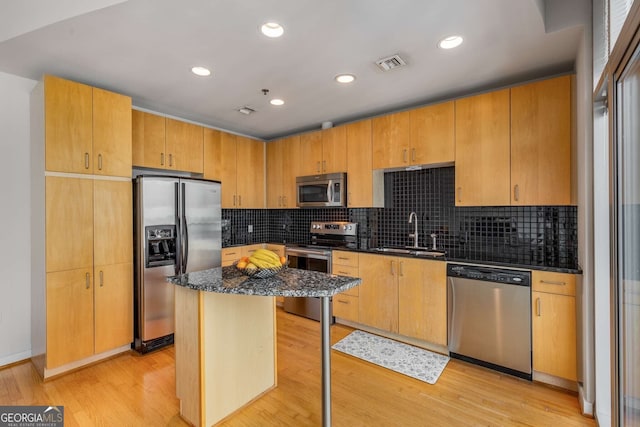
[414, 217]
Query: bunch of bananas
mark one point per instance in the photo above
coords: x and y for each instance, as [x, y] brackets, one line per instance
[261, 259]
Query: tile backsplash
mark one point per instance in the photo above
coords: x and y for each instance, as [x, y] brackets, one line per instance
[527, 235]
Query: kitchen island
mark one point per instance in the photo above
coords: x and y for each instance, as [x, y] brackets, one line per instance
[225, 337]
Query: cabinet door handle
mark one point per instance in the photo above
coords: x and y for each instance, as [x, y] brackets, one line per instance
[86, 160]
[234, 200]
[99, 161]
[344, 273]
[284, 201]
[401, 269]
[324, 166]
[343, 258]
[413, 154]
[349, 198]
[87, 279]
[318, 166]
[459, 194]
[101, 278]
[553, 282]
[161, 159]
[343, 302]
[393, 268]
[170, 159]
[239, 200]
[538, 307]
[404, 155]
[516, 192]
[279, 201]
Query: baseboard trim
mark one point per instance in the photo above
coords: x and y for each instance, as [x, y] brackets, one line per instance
[51, 373]
[14, 359]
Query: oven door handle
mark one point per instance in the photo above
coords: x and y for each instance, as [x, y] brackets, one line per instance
[308, 255]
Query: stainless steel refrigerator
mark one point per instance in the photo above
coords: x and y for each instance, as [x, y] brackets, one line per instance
[177, 230]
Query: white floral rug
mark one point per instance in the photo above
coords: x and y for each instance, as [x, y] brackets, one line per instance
[406, 359]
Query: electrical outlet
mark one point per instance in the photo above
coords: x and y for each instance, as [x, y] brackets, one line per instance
[250, 228]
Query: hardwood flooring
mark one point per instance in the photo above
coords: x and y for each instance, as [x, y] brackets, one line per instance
[132, 390]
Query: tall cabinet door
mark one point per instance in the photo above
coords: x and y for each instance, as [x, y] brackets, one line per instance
[250, 176]
[275, 171]
[68, 126]
[69, 223]
[184, 145]
[391, 140]
[378, 293]
[111, 133]
[290, 170]
[334, 150]
[69, 314]
[113, 222]
[113, 302]
[359, 174]
[228, 156]
[483, 150]
[311, 153]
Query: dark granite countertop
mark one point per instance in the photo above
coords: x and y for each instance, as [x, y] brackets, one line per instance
[290, 282]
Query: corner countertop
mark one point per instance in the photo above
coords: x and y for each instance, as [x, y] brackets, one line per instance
[290, 282]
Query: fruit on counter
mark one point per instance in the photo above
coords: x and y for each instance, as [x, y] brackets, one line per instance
[251, 266]
[283, 260]
[264, 258]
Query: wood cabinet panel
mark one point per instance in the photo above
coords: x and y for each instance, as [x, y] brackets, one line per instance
[359, 153]
[346, 307]
[422, 300]
[68, 126]
[112, 222]
[274, 176]
[554, 334]
[541, 143]
[250, 173]
[334, 150]
[278, 249]
[391, 140]
[433, 134]
[184, 145]
[290, 170]
[149, 132]
[69, 223]
[231, 255]
[69, 316]
[212, 154]
[554, 283]
[378, 293]
[345, 258]
[113, 302]
[311, 153]
[228, 170]
[483, 150]
[112, 134]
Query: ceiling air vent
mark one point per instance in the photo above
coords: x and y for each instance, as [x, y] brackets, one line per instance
[391, 62]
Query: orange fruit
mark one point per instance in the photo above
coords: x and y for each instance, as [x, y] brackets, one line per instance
[283, 260]
[241, 264]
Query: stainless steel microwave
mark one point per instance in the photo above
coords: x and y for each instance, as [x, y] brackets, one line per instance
[328, 190]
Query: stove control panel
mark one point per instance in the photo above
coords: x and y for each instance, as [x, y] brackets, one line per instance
[334, 227]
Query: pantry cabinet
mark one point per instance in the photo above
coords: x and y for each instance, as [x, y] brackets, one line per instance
[482, 154]
[323, 151]
[554, 324]
[164, 143]
[239, 164]
[283, 162]
[541, 143]
[88, 130]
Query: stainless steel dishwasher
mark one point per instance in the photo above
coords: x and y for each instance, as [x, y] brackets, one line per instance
[489, 317]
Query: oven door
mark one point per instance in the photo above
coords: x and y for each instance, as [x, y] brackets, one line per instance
[307, 307]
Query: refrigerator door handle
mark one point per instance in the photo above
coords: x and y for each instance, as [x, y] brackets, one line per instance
[185, 230]
[178, 264]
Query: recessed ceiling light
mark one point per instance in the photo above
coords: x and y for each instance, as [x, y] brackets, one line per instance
[201, 71]
[276, 101]
[272, 29]
[345, 78]
[450, 42]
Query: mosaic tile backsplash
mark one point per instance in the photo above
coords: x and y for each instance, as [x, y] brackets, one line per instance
[529, 235]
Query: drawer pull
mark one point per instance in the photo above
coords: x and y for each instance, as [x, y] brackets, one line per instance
[343, 258]
[342, 302]
[553, 282]
[343, 272]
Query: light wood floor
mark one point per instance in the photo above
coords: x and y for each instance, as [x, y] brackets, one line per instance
[137, 391]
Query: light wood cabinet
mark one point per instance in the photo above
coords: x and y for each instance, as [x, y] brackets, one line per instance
[541, 143]
[231, 255]
[113, 306]
[346, 304]
[239, 164]
[323, 151]
[422, 300]
[283, 161]
[88, 130]
[364, 185]
[164, 143]
[554, 324]
[482, 153]
[420, 136]
[378, 293]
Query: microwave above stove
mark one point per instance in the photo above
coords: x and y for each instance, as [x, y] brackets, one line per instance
[328, 190]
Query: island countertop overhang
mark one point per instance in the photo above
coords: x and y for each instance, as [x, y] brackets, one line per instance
[290, 282]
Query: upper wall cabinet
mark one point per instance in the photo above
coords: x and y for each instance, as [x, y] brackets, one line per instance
[164, 143]
[323, 151]
[364, 186]
[87, 130]
[238, 163]
[482, 156]
[283, 162]
[417, 137]
[541, 143]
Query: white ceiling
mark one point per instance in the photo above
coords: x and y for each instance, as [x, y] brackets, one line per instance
[145, 48]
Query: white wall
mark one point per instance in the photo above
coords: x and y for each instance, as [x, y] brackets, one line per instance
[15, 285]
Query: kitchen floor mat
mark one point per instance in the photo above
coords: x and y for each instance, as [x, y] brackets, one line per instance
[406, 359]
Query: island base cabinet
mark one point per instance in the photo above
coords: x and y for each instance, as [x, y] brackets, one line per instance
[225, 352]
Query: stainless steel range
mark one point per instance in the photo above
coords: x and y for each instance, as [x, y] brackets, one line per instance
[317, 257]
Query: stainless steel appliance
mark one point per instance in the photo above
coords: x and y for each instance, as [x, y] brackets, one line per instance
[177, 230]
[328, 190]
[317, 257]
[489, 317]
